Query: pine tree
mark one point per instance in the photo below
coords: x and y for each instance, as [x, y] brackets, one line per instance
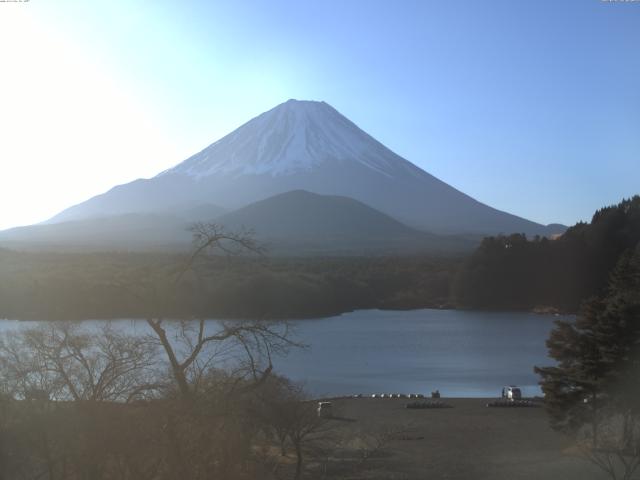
[598, 356]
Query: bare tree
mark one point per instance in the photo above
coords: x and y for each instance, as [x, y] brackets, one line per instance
[65, 361]
[285, 410]
[305, 429]
[66, 388]
[617, 451]
[193, 346]
[206, 425]
[71, 387]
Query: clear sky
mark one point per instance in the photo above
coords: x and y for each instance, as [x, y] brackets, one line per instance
[532, 107]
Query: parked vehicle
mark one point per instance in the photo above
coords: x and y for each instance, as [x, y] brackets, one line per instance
[511, 392]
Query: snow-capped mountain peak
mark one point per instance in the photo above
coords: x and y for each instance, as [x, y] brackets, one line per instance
[303, 145]
[296, 136]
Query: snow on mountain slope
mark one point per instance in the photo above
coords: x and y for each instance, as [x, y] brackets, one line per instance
[294, 137]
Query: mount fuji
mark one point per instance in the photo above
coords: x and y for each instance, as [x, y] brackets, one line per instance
[305, 145]
[296, 146]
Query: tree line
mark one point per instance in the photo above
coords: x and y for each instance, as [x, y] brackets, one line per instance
[513, 272]
[70, 286]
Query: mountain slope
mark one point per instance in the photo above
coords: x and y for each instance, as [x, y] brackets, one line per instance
[133, 231]
[300, 221]
[291, 223]
[309, 146]
[301, 214]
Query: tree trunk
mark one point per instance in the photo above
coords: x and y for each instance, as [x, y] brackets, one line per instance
[176, 461]
[176, 368]
[283, 444]
[594, 424]
[298, 461]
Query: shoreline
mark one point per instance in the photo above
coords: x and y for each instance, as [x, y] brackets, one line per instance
[545, 311]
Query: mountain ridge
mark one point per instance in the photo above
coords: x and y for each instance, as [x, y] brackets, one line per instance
[303, 145]
[291, 223]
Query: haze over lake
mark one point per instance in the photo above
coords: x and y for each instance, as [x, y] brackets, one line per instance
[461, 353]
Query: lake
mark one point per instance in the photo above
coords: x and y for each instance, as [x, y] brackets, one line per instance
[461, 353]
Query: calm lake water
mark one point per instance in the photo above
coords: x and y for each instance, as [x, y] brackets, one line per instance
[461, 353]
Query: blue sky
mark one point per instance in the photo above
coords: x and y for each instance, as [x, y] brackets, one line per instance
[532, 107]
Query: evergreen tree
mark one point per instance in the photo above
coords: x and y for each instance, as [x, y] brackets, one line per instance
[598, 356]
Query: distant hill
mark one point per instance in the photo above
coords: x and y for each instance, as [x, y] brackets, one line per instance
[302, 221]
[130, 231]
[134, 231]
[292, 223]
[199, 213]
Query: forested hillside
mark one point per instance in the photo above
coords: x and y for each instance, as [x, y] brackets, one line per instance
[512, 272]
[133, 285]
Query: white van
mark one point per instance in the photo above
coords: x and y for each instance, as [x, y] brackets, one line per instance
[511, 392]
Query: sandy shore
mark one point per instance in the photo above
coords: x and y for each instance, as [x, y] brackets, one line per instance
[467, 441]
